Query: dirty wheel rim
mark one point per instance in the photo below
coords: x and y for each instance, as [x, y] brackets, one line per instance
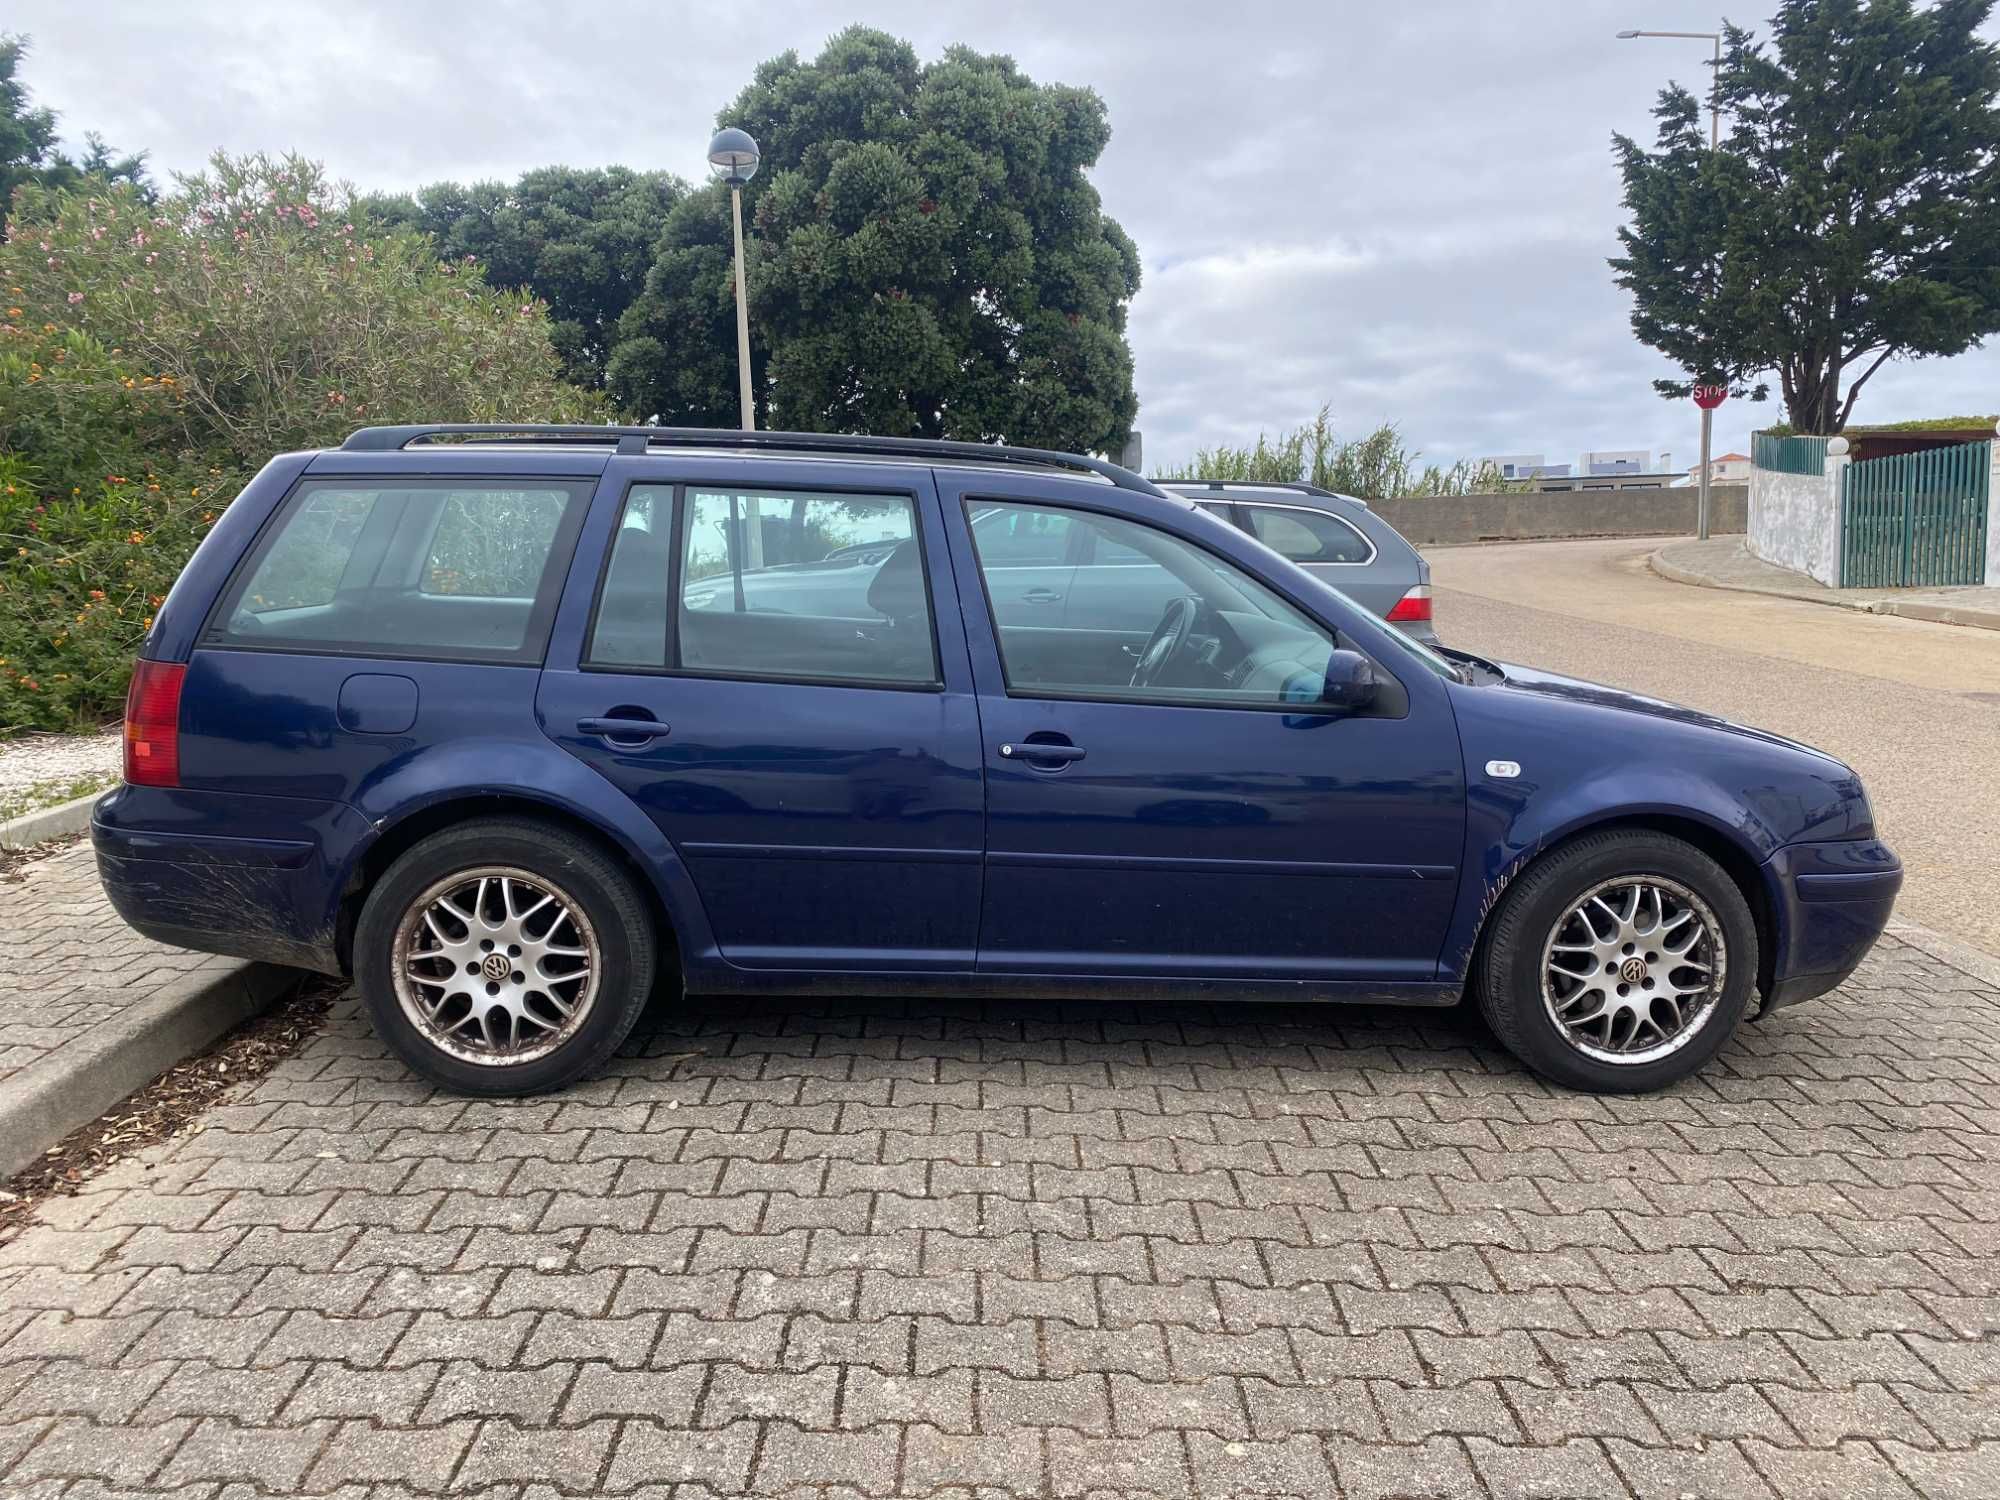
[1634, 969]
[496, 966]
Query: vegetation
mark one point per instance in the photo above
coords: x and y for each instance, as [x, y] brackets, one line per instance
[928, 259]
[153, 356]
[1374, 467]
[1848, 217]
[582, 239]
[28, 152]
[1915, 424]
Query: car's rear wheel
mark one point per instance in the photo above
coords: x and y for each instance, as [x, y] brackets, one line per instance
[1620, 963]
[504, 956]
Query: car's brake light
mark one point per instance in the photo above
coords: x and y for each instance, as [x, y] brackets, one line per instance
[1415, 605]
[153, 724]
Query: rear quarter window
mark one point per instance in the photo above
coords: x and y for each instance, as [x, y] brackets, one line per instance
[410, 568]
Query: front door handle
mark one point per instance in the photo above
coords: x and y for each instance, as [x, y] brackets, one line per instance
[1041, 596]
[1060, 754]
[623, 731]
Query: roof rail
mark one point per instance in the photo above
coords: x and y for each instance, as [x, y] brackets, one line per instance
[640, 439]
[1297, 487]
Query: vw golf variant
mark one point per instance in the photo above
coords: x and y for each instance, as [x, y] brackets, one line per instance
[517, 725]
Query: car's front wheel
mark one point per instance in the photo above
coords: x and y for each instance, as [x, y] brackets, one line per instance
[504, 956]
[1620, 963]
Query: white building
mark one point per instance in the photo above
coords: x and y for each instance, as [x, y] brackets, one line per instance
[1724, 468]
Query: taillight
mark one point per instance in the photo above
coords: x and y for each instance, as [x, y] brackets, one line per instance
[153, 724]
[1415, 605]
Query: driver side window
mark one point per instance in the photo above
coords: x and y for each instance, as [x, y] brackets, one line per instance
[1149, 617]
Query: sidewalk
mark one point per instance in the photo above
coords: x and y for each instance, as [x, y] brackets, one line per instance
[1724, 562]
[89, 1010]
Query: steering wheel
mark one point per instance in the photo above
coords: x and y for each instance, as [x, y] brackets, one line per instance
[1168, 637]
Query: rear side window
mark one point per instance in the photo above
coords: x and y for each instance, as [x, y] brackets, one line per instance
[803, 587]
[408, 568]
[1306, 536]
[784, 585]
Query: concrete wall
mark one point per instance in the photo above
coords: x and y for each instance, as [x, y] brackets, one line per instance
[1993, 521]
[1795, 521]
[1445, 519]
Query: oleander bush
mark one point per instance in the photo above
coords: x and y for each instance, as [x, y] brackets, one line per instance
[155, 354]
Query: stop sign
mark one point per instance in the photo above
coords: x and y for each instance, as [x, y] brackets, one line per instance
[1708, 397]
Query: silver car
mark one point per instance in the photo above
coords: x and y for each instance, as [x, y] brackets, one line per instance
[1335, 537]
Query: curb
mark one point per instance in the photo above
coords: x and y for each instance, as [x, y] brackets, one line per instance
[82, 1079]
[46, 823]
[1976, 963]
[1937, 614]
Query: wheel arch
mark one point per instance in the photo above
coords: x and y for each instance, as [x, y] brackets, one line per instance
[397, 835]
[1738, 861]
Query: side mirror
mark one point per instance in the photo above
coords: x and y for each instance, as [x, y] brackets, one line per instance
[1350, 682]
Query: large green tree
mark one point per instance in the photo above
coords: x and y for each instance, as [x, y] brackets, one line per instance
[1849, 217]
[927, 258]
[580, 239]
[28, 151]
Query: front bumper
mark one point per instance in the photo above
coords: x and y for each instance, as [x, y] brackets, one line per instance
[1831, 901]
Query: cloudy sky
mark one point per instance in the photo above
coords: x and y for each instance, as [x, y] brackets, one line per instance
[1401, 209]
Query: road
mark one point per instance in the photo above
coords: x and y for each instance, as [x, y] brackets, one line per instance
[1914, 707]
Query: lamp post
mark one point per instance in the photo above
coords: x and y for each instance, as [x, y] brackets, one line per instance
[732, 158]
[1714, 143]
[1714, 104]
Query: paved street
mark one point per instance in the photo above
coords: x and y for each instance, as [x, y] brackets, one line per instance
[1915, 707]
[1064, 1250]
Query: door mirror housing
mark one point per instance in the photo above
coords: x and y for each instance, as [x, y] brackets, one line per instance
[1350, 682]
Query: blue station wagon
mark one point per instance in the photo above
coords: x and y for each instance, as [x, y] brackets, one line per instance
[515, 725]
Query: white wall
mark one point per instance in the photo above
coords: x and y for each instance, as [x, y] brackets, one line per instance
[1795, 521]
[1993, 520]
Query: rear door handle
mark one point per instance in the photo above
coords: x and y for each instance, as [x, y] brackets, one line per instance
[637, 731]
[1041, 596]
[1060, 753]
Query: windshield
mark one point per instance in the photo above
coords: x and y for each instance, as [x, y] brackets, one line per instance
[1410, 647]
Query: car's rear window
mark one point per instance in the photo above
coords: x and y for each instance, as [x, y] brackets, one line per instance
[407, 568]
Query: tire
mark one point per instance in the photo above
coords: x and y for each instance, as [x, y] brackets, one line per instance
[496, 996]
[1539, 930]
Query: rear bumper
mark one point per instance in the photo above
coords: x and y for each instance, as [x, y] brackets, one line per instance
[1832, 901]
[265, 889]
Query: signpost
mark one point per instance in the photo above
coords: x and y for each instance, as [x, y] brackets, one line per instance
[1707, 397]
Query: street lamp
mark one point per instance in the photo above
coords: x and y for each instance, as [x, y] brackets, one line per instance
[1714, 143]
[732, 158]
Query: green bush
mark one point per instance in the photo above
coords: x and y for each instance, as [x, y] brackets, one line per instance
[1375, 467]
[153, 356]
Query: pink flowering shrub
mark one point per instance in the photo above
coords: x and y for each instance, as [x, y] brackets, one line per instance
[153, 357]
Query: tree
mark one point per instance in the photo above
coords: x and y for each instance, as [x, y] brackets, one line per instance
[278, 321]
[1849, 217]
[580, 239]
[927, 258]
[28, 152]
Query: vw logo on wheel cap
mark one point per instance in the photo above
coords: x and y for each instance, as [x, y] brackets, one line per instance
[496, 966]
[1631, 971]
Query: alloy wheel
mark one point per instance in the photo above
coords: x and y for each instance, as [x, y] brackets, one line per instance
[1633, 970]
[496, 965]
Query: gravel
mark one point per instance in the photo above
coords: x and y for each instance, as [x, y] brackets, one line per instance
[55, 761]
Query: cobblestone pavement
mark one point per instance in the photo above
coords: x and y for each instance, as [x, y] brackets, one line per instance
[1048, 1250]
[72, 963]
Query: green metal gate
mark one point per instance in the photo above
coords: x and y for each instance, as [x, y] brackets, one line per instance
[1915, 519]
